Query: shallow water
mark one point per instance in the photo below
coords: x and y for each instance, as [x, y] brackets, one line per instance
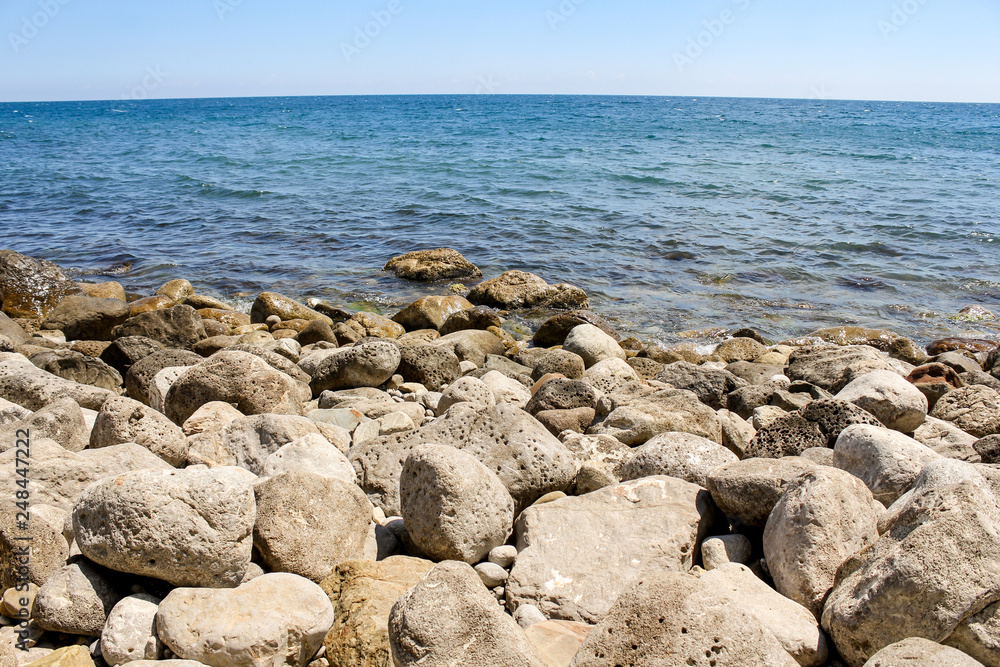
[675, 214]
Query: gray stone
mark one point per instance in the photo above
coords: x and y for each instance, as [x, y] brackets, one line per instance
[833, 416]
[78, 367]
[310, 453]
[62, 421]
[140, 375]
[887, 461]
[681, 455]
[592, 344]
[528, 614]
[736, 433]
[368, 364]
[894, 401]
[31, 387]
[431, 265]
[87, 318]
[430, 365]
[274, 620]
[919, 652]
[504, 555]
[472, 345]
[635, 418]
[974, 409]
[187, 527]
[506, 389]
[178, 327]
[430, 312]
[710, 385]
[77, 599]
[724, 549]
[122, 420]
[607, 536]
[947, 440]
[518, 289]
[467, 390]
[49, 549]
[558, 361]
[491, 574]
[554, 330]
[788, 435]
[610, 376]
[130, 631]
[453, 506]
[12, 330]
[562, 394]
[823, 365]
[747, 491]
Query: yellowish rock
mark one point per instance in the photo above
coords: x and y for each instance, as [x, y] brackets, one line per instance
[151, 303]
[109, 290]
[70, 656]
[230, 318]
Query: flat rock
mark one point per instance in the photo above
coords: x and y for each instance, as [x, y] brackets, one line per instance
[122, 420]
[919, 652]
[274, 620]
[710, 385]
[431, 265]
[186, 527]
[887, 461]
[894, 401]
[824, 365]
[177, 327]
[78, 367]
[577, 554]
[748, 490]
[681, 455]
[518, 289]
[634, 419]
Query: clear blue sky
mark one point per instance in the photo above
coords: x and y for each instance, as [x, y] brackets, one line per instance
[946, 50]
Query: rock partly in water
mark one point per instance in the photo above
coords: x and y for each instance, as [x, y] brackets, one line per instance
[271, 303]
[518, 289]
[432, 265]
[32, 287]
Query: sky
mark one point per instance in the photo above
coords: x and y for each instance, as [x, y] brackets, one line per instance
[920, 50]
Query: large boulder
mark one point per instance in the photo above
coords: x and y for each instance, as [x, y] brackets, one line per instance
[947, 440]
[450, 618]
[274, 620]
[611, 376]
[61, 421]
[25, 384]
[271, 303]
[609, 536]
[528, 459]
[635, 418]
[307, 524]
[32, 287]
[87, 318]
[788, 435]
[592, 344]
[142, 372]
[431, 365]
[179, 327]
[239, 378]
[562, 394]
[710, 385]
[310, 453]
[453, 507]
[824, 365]
[974, 409]
[122, 420]
[673, 619]
[369, 364]
[824, 517]
[479, 317]
[894, 401]
[363, 593]
[431, 265]
[747, 491]
[431, 312]
[77, 599]
[888, 462]
[78, 367]
[554, 330]
[933, 567]
[519, 289]
[681, 455]
[186, 527]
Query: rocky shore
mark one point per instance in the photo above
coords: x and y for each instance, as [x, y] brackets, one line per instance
[308, 485]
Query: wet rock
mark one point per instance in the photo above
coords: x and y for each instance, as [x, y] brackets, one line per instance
[87, 318]
[592, 345]
[430, 312]
[943, 345]
[140, 376]
[517, 289]
[76, 599]
[366, 365]
[61, 421]
[150, 303]
[888, 462]
[824, 517]
[479, 317]
[974, 409]
[453, 506]
[108, 290]
[634, 419]
[229, 318]
[681, 455]
[130, 631]
[611, 536]
[273, 620]
[376, 326]
[307, 524]
[271, 303]
[710, 385]
[554, 331]
[432, 265]
[72, 365]
[31, 387]
[177, 327]
[122, 420]
[894, 401]
[186, 527]
[32, 287]
[919, 652]
[748, 490]
[824, 365]
[239, 378]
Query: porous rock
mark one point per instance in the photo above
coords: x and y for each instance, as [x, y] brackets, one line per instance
[87, 318]
[682, 455]
[122, 420]
[519, 289]
[431, 265]
[178, 327]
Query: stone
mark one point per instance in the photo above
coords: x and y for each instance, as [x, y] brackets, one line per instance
[933, 567]
[316, 331]
[710, 385]
[974, 345]
[130, 631]
[736, 433]
[563, 362]
[238, 378]
[210, 417]
[12, 330]
[920, 652]
[504, 555]
[634, 419]
[177, 289]
[177, 327]
[577, 420]
[988, 448]
[363, 593]
[86, 318]
[611, 536]
[491, 574]
[725, 549]
[62, 421]
[122, 420]
[310, 453]
[824, 517]
[430, 365]
[562, 394]
[885, 341]
[740, 349]
[934, 381]
[160, 387]
[307, 524]
[676, 619]
[107, 290]
[466, 390]
[506, 390]
[431, 312]
[894, 401]
[788, 435]
[592, 345]
[554, 330]
[478, 317]
[557, 641]
[823, 365]
[12, 412]
[755, 373]
[230, 318]
[76, 599]
[528, 459]
[611, 376]
[166, 663]
[365, 365]
[33, 388]
[271, 303]
[528, 614]
[273, 620]
[472, 345]
[150, 303]
[765, 416]
[67, 656]
[646, 368]
[747, 491]
[32, 287]
[947, 440]
[834, 415]
[432, 265]
[888, 462]
[453, 506]
[974, 409]
[682, 455]
[518, 289]
[49, 548]
[78, 367]
[186, 527]
[450, 618]
[140, 375]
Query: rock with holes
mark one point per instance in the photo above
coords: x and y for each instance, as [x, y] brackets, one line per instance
[788, 435]
[130, 631]
[506, 389]
[610, 376]
[430, 365]
[77, 599]
[62, 421]
[122, 420]
[274, 620]
[887, 461]
[635, 418]
[307, 524]
[469, 390]
[974, 409]
[920, 652]
[49, 549]
[140, 375]
[710, 385]
[682, 455]
[519, 289]
[823, 365]
[608, 536]
[25, 384]
[431, 265]
[454, 507]
[187, 527]
[676, 619]
[894, 401]
[450, 618]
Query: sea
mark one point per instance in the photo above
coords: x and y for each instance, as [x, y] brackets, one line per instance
[681, 217]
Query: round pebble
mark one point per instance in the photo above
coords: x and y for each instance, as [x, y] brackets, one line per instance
[503, 555]
[492, 574]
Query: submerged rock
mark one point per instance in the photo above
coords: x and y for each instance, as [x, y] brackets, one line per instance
[431, 265]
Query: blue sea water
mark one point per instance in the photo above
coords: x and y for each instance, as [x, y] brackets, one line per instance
[675, 214]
